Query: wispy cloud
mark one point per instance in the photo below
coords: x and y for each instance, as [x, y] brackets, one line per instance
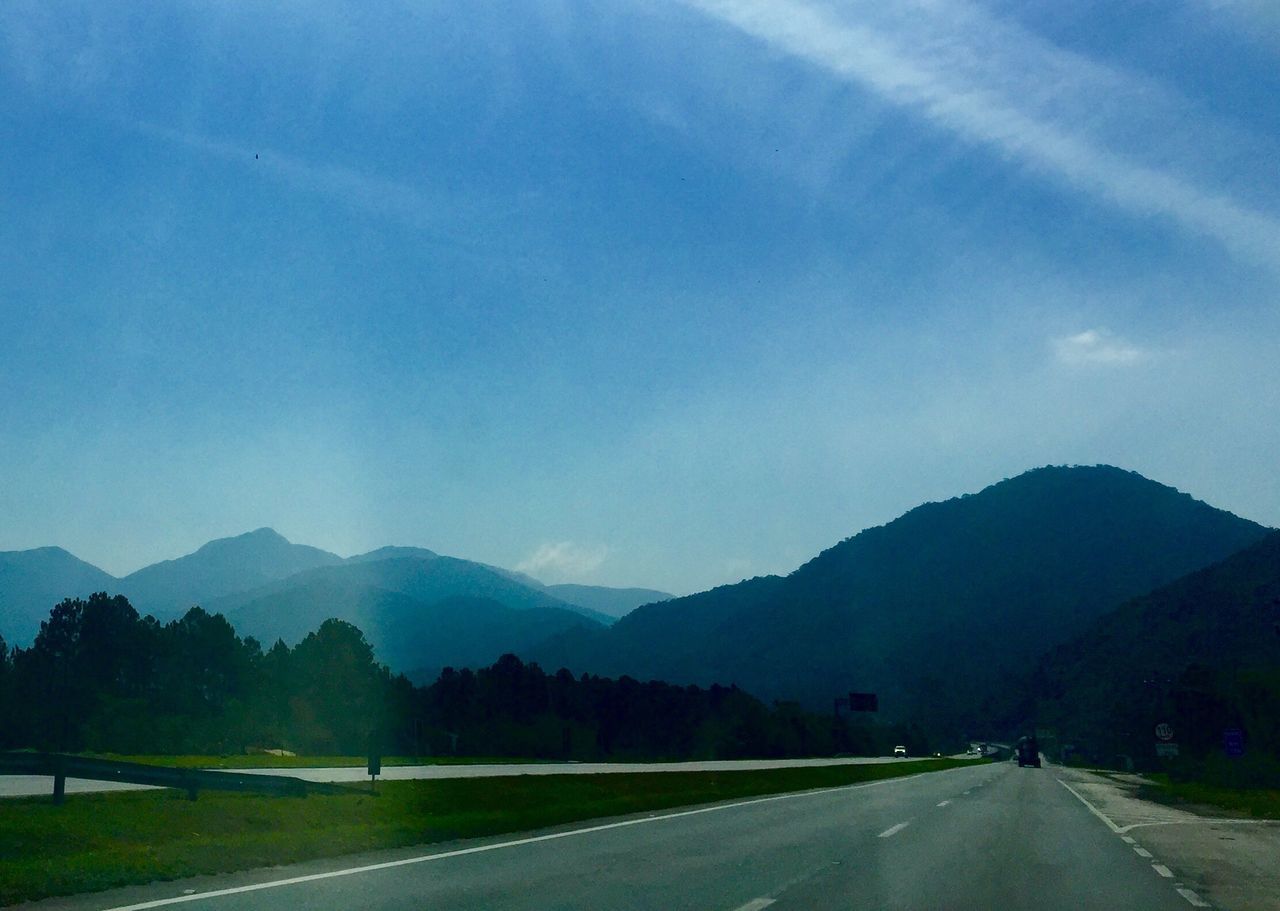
[556, 561]
[450, 221]
[1098, 347]
[998, 85]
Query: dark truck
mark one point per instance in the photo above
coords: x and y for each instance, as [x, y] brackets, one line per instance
[1028, 752]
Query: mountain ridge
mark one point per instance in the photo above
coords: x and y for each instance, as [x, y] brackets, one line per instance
[932, 608]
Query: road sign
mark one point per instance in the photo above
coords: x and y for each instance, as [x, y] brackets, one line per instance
[1233, 742]
[1166, 749]
[864, 702]
[1164, 731]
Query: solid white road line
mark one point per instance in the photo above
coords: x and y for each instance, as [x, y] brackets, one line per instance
[1120, 830]
[893, 830]
[756, 904]
[1163, 870]
[1195, 900]
[1142, 852]
[1092, 809]
[480, 849]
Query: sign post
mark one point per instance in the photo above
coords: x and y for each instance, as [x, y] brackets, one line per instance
[375, 761]
[1165, 747]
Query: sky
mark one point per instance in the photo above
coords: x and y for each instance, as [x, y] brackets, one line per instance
[665, 293]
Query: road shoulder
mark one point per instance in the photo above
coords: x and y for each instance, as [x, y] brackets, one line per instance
[1227, 862]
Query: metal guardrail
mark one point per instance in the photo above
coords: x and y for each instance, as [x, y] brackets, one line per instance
[62, 766]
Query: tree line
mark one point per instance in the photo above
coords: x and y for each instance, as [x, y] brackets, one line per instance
[99, 677]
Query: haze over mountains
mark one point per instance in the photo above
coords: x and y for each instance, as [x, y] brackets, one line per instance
[259, 578]
[934, 610]
[940, 611]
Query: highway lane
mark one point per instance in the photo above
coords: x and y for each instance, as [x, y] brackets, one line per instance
[35, 785]
[992, 836]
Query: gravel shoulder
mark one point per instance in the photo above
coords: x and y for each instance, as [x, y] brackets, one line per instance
[1231, 862]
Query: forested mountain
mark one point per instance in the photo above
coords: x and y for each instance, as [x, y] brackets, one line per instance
[1202, 653]
[221, 567]
[32, 581]
[616, 602]
[99, 677]
[934, 610]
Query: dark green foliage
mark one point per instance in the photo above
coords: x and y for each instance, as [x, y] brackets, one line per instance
[1202, 653]
[101, 678]
[934, 611]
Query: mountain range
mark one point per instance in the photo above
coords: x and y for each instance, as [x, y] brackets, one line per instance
[945, 612]
[271, 588]
[936, 609]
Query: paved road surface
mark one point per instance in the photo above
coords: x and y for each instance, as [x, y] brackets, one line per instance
[34, 785]
[990, 836]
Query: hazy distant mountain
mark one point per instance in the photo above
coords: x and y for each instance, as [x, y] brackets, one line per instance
[421, 610]
[425, 580]
[33, 581]
[616, 602]
[409, 634]
[1119, 676]
[392, 553]
[934, 609]
[219, 568]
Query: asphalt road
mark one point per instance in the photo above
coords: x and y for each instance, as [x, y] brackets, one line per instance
[35, 785]
[990, 836]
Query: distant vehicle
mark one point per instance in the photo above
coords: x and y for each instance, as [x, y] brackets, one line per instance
[1028, 753]
[900, 751]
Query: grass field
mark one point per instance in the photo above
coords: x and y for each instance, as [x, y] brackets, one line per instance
[1261, 803]
[99, 841]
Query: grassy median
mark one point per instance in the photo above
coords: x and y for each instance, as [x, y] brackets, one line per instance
[1261, 803]
[99, 841]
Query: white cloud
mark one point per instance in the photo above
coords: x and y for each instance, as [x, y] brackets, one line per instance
[563, 561]
[998, 85]
[1098, 347]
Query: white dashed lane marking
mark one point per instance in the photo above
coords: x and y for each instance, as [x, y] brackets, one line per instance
[756, 904]
[1192, 898]
[1195, 900]
[893, 830]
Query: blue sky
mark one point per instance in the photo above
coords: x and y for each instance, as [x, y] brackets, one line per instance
[664, 293]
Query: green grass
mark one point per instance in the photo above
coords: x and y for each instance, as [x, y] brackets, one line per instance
[1261, 803]
[100, 841]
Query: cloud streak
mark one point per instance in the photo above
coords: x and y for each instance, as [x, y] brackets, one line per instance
[563, 561]
[996, 85]
[1099, 348]
[448, 222]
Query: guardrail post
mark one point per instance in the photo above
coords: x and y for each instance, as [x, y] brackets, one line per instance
[59, 781]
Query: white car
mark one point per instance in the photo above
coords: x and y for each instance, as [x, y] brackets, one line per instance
[900, 751]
